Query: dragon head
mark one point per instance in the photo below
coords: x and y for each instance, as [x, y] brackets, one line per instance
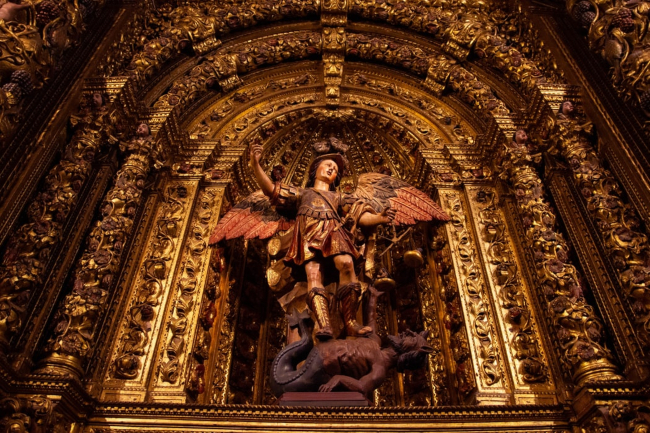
[412, 349]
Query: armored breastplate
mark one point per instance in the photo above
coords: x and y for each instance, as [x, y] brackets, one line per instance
[315, 205]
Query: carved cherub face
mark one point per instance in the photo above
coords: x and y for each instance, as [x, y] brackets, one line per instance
[327, 171]
[143, 130]
[98, 100]
[520, 137]
[567, 108]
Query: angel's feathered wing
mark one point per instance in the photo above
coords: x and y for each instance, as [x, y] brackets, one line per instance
[410, 204]
[254, 217]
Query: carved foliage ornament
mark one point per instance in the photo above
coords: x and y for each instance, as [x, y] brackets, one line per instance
[618, 223]
[155, 269]
[77, 317]
[24, 264]
[579, 331]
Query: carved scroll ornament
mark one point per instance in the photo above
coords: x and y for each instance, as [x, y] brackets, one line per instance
[155, 269]
[78, 315]
[28, 251]
[579, 331]
[618, 224]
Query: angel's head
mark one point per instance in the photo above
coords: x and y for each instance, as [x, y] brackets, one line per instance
[327, 168]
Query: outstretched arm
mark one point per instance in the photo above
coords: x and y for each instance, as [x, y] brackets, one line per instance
[263, 179]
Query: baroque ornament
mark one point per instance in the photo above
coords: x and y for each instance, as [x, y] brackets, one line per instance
[579, 331]
[77, 317]
[29, 250]
[618, 223]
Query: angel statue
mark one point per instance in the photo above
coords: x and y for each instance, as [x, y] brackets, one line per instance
[320, 228]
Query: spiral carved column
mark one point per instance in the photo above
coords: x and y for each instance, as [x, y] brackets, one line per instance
[76, 320]
[25, 262]
[618, 225]
[579, 331]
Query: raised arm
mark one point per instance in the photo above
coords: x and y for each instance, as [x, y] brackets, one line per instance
[263, 179]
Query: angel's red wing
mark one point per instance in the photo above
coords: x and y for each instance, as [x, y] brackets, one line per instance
[254, 217]
[410, 204]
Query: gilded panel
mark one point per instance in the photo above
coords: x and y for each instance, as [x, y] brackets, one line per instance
[528, 362]
[141, 327]
[493, 386]
[186, 312]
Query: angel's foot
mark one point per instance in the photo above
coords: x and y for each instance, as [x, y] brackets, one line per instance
[353, 329]
[324, 334]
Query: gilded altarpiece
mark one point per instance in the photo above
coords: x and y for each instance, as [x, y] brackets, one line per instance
[117, 313]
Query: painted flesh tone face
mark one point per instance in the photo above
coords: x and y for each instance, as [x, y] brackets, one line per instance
[327, 171]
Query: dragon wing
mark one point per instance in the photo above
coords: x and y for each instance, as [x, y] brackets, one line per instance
[253, 217]
[410, 204]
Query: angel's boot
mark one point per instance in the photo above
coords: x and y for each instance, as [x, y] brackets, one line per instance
[349, 296]
[320, 307]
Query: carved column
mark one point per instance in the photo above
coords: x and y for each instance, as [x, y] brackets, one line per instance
[492, 383]
[81, 311]
[580, 332]
[29, 252]
[626, 299]
[516, 319]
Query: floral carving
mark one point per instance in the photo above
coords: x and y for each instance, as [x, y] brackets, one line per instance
[465, 255]
[618, 31]
[618, 223]
[580, 333]
[222, 68]
[184, 304]
[155, 269]
[524, 340]
[31, 44]
[28, 251]
[198, 26]
[77, 317]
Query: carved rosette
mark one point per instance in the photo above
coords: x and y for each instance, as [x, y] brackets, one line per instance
[579, 331]
[474, 296]
[618, 223]
[519, 327]
[77, 317]
[29, 250]
[152, 285]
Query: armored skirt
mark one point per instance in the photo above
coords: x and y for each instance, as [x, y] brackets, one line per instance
[319, 230]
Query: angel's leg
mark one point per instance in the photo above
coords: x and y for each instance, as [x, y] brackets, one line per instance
[318, 301]
[349, 293]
